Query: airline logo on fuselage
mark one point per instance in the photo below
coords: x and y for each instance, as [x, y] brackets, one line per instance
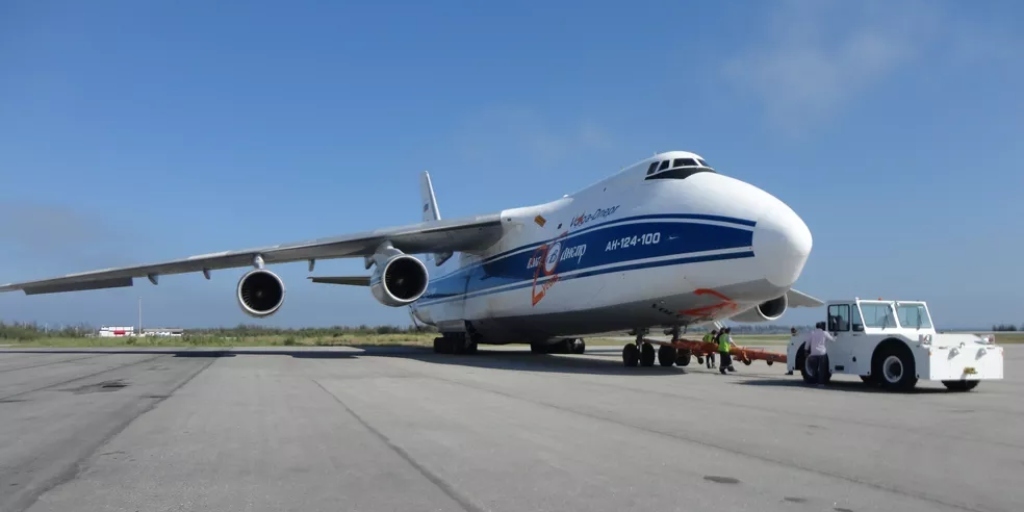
[585, 218]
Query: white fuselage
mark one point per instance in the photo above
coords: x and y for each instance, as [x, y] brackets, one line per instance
[635, 250]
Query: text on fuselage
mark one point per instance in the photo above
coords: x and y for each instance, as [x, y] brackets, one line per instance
[631, 241]
[558, 254]
[600, 213]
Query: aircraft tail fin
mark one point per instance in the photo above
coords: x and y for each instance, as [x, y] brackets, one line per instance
[430, 211]
[428, 199]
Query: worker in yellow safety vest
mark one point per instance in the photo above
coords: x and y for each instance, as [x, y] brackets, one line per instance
[710, 338]
[724, 342]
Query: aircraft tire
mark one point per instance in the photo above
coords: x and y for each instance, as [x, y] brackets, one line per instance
[630, 355]
[442, 345]
[684, 356]
[666, 355]
[579, 346]
[539, 347]
[646, 354]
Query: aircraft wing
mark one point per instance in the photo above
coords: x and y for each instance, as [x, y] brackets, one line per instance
[437, 236]
[798, 299]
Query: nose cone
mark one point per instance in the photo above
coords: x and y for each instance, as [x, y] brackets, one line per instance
[782, 243]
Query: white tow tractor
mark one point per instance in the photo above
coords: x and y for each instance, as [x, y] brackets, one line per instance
[894, 344]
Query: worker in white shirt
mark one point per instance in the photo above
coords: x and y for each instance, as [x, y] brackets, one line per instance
[816, 351]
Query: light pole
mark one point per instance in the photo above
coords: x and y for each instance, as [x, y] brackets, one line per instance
[140, 316]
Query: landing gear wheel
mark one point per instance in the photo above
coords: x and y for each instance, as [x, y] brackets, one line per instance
[578, 346]
[646, 354]
[960, 385]
[630, 355]
[894, 366]
[684, 357]
[666, 355]
[539, 347]
[442, 345]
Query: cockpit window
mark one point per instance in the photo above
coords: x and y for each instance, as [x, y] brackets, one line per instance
[677, 169]
[679, 174]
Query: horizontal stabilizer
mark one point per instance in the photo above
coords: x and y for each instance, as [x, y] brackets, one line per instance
[798, 299]
[349, 280]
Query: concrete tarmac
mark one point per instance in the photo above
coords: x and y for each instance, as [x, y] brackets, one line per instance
[401, 429]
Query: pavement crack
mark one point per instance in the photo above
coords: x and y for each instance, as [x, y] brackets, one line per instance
[83, 377]
[435, 479]
[74, 469]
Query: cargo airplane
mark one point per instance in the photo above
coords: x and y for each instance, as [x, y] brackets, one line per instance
[666, 243]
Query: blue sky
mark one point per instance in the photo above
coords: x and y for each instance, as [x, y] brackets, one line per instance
[133, 132]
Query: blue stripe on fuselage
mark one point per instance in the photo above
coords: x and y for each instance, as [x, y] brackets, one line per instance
[602, 226]
[609, 248]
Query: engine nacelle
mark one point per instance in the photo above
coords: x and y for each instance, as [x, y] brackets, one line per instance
[765, 311]
[260, 293]
[398, 278]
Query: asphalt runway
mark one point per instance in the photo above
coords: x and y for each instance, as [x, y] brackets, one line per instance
[405, 430]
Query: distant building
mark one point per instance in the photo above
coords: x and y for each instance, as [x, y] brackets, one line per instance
[130, 331]
[163, 331]
[117, 331]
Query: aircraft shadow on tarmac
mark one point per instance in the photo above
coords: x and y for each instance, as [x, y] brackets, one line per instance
[597, 362]
[607, 363]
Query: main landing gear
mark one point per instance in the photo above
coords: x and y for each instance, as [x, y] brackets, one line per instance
[455, 343]
[565, 346]
[642, 353]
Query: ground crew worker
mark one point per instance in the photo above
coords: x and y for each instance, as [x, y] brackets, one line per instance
[710, 338]
[724, 342]
[816, 351]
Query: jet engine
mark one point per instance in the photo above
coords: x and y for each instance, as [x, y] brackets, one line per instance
[398, 279]
[765, 311]
[260, 293]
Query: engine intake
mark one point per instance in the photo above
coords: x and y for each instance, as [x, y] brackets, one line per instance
[260, 293]
[398, 279]
[765, 312]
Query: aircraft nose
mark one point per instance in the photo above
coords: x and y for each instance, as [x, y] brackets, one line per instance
[782, 242]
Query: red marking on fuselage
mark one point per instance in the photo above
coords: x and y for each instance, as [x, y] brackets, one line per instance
[541, 255]
[707, 312]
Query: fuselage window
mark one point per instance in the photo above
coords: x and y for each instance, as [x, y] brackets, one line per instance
[684, 162]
